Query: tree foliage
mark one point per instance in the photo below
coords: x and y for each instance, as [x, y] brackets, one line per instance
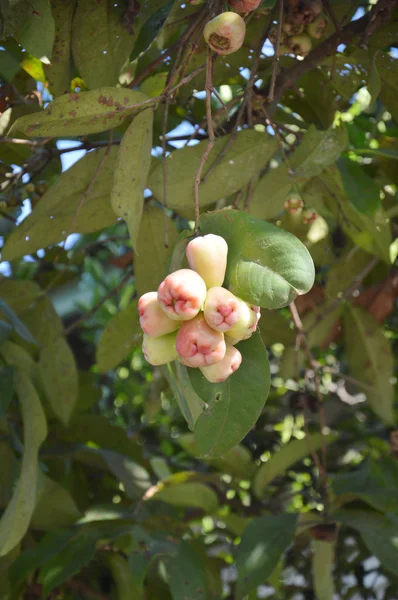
[120, 134]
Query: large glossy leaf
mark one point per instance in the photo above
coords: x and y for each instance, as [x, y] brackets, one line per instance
[119, 337]
[16, 518]
[35, 34]
[263, 542]
[78, 202]
[246, 156]
[370, 359]
[267, 266]
[362, 191]
[59, 71]
[82, 113]
[187, 574]
[284, 458]
[152, 253]
[131, 172]
[235, 404]
[378, 531]
[322, 565]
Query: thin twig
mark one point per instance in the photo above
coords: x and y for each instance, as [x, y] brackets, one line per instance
[164, 167]
[97, 306]
[276, 54]
[221, 101]
[329, 9]
[210, 129]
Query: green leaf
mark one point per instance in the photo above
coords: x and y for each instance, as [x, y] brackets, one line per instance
[274, 328]
[34, 67]
[267, 266]
[152, 254]
[134, 477]
[246, 157]
[374, 80]
[263, 542]
[19, 294]
[317, 150]
[78, 202]
[16, 518]
[362, 191]
[370, 359]
[379, 532]
[59, 72]
[127, 587]
[7, 385]
[344, 270]
[101, 42]
[32, 24]
[55, 506]
[69, 561]
[187, 573]
[9, 473]
[286, 457]
[57, 365]
[131, 172]
[17, 324]
[228, 419]
[9, 66]
[322, 565]
[120, 336]
[191, 494]
[150, 29]
[190, 404]
[82, 113]
[5, 331]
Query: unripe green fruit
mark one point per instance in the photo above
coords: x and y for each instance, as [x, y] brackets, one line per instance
[244, 6]
[222, 310]
[161, 350]
[225, 33]
[198, 345]
[207, 256]
[181, 294]
[292, 28]
[317, 28]
[300, 45]
[223, 369]
[153, 320]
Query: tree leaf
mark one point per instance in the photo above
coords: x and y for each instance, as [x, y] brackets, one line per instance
[5, 331]
[78, 202]
[322, 565]
[374, 79]
[16, 518]
[32, 24]
[317, 150]
[55, 506]
[263, 542]
[17, 324]
[228, 419]
[7, 380]
[187, 573]
[191, 494]
[131, 172]
[152, 257]
[379, 533]
[284, 458]
[19, 294]
[362, 191]
[267, 266]
[135, 478]
[59, 71]
[344, 270]
[119, 337]
[190, 404]
[370, 359]
[81, 113]
[126, 585]
[248, 154]
[150, 29]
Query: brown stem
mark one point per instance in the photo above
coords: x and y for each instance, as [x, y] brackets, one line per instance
[276, 53]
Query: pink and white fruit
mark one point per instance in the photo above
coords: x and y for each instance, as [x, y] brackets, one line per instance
[198, 345]
[225, 33]
[181, 294]
[153, 320]
[245, 6]
[222, 310]
[245, 327]
[223, 369]
[160, 350]
[300, 45]
[207, 255]
[317, 28]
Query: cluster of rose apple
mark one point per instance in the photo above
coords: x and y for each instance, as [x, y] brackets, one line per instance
[193, 319]
[303, 20]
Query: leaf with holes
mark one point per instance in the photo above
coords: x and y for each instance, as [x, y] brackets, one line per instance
[370, 359]
[82, 113]
[267, 266]
[78, 202]
[131, 172]
[228, 418]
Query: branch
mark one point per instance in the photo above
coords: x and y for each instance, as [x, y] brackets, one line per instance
[379, 14]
